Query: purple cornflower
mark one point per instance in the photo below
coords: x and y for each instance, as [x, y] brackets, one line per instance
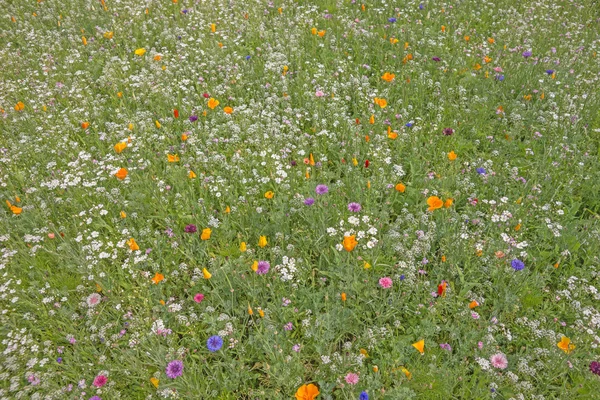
[549, 71]
[363, 396]
[354, 207]
[595, 367]
[309, 201]
[263, 267]
[214, 343]
[500, 77]
[448, 131]
[392, 20]
[191, 228]
[193, 118]
[527, 54]
[174, 369]
[408, 124]
[288, 326]
[445, 346]
[247, 57]
[321, 189]
[436, 59]
[481, 171]
[95, 398]
[517, 264]
[421, 6]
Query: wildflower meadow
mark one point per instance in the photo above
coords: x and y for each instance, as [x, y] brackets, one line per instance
[291, 199]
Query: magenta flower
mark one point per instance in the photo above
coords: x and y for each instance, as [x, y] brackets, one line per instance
[499, 360]
[174, 369]
[191, 228]
[198, 297]
[354, 207]
[263, 267]
[100, 381]
[321, 189]
[385, 282]
[352, 378]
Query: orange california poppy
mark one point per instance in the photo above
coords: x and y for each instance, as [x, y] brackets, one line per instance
[212, 103]
[452, 156]
[228, 110]
[205, 234]
[172, 157]
[388, 77]
[434, 203]
[400, 187]
[349, 242]
[566, 345]
[121, 174]
[119, 147]
[158, 277]
[307, 392]
[420, 345]
[133, 246]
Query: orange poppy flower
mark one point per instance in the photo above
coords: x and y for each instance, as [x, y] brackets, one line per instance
[191, 175]
[172, 157]
[228, 110]
[321, 33]
[349, 243]
[400, 187]
[566, 345]
[15, 210]
[205, 234]
[452, 156]
[473, 304]
[313, 31]
[307, 392]
[372, 119]
[121, 174]
[380, 102]
[133, 246]
[434, 203]
[343, 296]
[19, 106]
[420, 345]
[388, 77]
[85, 125]
[119, 147]
[176, 113]
[158, 277]
[212, 103]
[448, 203]
[269, 194]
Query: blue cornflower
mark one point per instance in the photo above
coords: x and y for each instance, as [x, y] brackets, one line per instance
[402, 277]
[309, 201]
[480, 171]
[247, 57]
[517, 264]
[421, 6]
[214, 343]
[363, 396]
[409, 124]
[500, 77]
[549, 71]
[392, 20]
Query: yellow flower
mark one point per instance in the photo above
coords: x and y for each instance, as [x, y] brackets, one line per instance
[406, 372]
[206, 274]
[393, 40]
[364, 353]
[140, 52]
[313, 31]
[269, 194]
[321, 33]
[243, 247]
[262, 241]
[158, 125]
[261, 313]
[15, 210]
[307, 392]
[400, 187]
[108, 35]
[566, 345]
[388, 77]
[448, 203]
[254, 266]
[191, 175]
[367, 265]
[130, 126]
[213, 28]
[354, 162]
[133, 246]
[119, 147]
[205, 234]
[84, 40]
[122, 214]
[380, 102]
[227, 210]
[154, 382]
[420, 345]
[434, 203]
[349, 242]
[452, 156]
[212, 103]
[172, 157]
[250, 312]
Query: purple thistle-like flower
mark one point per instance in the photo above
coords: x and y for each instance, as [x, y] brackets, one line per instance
[436, 59]
[191, 228]
[214, 343]
[448, 131]
[549, 71]
[309, 201]
[174, 369]
[321, 189]
[595, 367]
[527, 54]
[263, 267]
[193, 118]
[445, 346]
[95, 398]
[354, 207]
[517, 264]
[480, 171]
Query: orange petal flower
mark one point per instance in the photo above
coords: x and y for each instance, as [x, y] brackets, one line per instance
[158, 277]
[228, 110]
[262, 241]
[269, 194]
[388, 77]
[19, 106]
[205, 234]
[452, 156]
[121, 174]
[343, 296]
[191, 175]
[172, 157]
[154, 382]
[133, 246]
[448, 203]
[566, 345]
[212, 103]
[400, 187]
[420, 345]
[434, 203]
[85, 125]
[349, 243]
[119, 147]
[307, 392]
[473, 304]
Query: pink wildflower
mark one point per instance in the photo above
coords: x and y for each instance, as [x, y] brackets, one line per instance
[499, 361]
[352, 378]
[385, 282]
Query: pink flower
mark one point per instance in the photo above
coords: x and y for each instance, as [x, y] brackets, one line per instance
[499, 361]
[319, 93]
[480, 345]
[198, 297]
[498, 69]
[352, 378]
[100, 381]
[385, 282]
